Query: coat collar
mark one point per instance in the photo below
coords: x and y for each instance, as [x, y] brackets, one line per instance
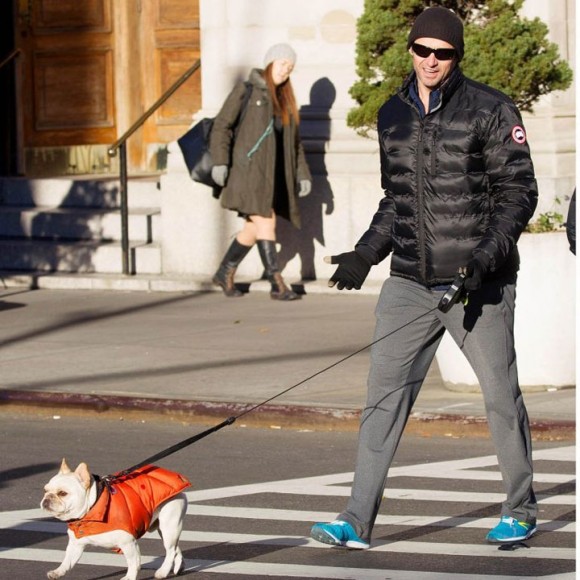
[257, 78]
[446, 90]
[98, 510]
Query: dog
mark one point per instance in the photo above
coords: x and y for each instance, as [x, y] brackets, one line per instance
[114, 512]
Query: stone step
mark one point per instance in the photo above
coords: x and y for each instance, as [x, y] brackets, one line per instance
[67, 223]
[78, 192]
[84, 256]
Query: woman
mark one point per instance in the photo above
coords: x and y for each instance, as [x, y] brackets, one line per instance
[260, 163]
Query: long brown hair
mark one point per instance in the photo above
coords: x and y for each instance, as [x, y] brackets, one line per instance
[282, 98]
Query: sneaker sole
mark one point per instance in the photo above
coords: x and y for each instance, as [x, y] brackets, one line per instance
[357, 545]
[516, 539]
[326, 538]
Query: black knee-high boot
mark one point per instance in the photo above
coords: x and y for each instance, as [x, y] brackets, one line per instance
[269, 256]
[224, 277]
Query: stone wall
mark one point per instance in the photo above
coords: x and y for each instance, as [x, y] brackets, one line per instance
[552, 126]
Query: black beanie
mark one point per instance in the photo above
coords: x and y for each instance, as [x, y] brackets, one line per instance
[441, 23]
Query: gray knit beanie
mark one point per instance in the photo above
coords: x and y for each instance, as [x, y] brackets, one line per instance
[441, 23]
[280, 52]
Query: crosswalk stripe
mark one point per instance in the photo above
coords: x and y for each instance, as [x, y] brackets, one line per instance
[315, 487]
[262, 568]
[478, 475]
[556, 454]
[337, 486]
[10, 521]
[425, 494]
[26, 520]
[303, 542]
[312, 516]
[456, 469]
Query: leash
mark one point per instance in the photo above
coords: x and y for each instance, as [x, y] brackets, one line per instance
[233, 419]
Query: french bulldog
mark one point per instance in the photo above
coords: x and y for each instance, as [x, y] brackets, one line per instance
[102, 513]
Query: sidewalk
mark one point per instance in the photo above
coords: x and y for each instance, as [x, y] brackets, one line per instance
[203, 358]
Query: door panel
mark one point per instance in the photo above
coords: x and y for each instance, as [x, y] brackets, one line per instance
[92, 67]
[53, 15]
[88, 103]
[68, 72]
[172, 47]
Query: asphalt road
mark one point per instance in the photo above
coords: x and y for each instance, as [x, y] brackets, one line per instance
[256, 492]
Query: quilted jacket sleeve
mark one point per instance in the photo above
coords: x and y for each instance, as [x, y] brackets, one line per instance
[512, 185]
[376, 244]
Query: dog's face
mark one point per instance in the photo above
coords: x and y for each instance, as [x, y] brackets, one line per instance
[66, 495]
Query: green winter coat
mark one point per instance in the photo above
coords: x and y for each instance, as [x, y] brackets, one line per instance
[250, 185]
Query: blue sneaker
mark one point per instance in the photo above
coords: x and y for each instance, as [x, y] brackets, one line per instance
[338, 533]
[510, 530]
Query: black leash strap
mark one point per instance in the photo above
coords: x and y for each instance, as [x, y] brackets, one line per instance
[230, 420]
[173, 449]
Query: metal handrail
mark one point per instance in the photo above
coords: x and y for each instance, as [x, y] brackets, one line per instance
[121, 145]
[11, 56]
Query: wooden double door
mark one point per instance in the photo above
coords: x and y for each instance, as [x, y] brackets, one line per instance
[89, 69]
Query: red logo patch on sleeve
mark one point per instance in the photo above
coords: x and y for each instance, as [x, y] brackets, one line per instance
[519, 135]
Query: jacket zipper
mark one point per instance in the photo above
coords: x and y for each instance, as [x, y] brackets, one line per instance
[256, 146]
[420, 212]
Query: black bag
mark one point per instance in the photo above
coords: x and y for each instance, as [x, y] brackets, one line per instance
[194, 146]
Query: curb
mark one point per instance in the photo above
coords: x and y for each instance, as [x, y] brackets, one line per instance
[41, 280]
[264, 416]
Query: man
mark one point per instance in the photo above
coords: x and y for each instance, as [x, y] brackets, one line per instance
[459, 189]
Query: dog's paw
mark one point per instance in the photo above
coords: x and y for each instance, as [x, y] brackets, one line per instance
[54, 574]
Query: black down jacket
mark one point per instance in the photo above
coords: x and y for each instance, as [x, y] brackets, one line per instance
[457, 182]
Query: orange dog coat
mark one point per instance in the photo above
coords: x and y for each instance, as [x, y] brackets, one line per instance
[128, 503]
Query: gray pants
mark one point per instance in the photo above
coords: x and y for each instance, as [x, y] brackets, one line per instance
[484, 331]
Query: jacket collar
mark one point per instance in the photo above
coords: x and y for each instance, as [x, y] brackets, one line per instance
[257, 78]
[445, 91]
[98, 510]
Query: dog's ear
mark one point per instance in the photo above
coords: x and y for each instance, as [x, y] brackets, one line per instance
[64, 468]
[82, 472]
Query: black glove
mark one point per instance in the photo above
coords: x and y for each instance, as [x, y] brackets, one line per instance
[351, 272]
[476, 271]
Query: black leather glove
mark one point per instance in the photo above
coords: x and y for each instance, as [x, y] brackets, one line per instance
[476, 271]
[351, 272]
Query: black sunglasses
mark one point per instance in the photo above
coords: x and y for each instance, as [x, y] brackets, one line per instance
[440, 53]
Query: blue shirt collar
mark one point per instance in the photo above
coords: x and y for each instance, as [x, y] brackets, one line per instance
[434, 99]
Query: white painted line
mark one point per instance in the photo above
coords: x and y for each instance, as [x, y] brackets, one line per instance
[479, 475]
[415, 521]
[36, 520]
[417, 547]
[249, 569]
[556, 454]
[9, 521]
[34, 514]
[425, 495]
[444, 469]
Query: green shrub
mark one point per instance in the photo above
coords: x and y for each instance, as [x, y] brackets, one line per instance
[549, 221]
[502, 49]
